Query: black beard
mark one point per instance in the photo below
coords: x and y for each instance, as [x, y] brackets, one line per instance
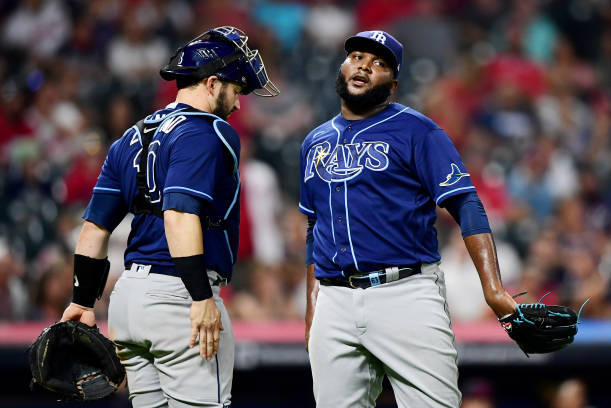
[221, 109]
[359, 104]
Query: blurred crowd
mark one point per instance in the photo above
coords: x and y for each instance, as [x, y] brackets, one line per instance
[522, 87]
[567, 393]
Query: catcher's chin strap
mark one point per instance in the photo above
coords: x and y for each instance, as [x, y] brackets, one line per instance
[142, 202]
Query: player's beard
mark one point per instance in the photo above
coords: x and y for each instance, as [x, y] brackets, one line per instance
[223, 107]
[364, 102]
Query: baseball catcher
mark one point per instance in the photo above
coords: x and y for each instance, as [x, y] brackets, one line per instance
[75, 361]
[541, 328]
[177, 172]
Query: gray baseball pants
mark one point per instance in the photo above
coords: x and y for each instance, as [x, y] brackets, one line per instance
[148, 318]
[400, 329]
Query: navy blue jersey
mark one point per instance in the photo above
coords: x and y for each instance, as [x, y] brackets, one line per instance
[373, 185]
[193, 157]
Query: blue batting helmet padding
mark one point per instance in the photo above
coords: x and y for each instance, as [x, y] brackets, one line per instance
[380, 43]
[222, 52]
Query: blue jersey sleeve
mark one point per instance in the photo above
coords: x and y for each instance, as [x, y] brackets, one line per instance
[305, 201]
[310, 241]
[439, 166]
[107, 206]
[183, 203]
[469, 213]
[195, 159]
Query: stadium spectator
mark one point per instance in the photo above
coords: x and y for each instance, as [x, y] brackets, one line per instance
[13, 296]
[527, 31]
[571, 393]
[13, 125]
[53, 289]
[478, 393]
[136, 54]
[38, 26]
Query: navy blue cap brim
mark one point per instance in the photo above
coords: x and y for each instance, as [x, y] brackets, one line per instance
[364, 44]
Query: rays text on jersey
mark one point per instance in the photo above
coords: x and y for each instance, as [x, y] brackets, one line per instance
[345, 161]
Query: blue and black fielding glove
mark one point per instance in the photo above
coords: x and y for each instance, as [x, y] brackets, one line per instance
[541, 328]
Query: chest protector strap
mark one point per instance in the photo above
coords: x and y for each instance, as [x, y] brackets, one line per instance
[142, 203]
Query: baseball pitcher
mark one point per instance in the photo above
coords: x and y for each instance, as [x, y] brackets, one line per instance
[371, 178]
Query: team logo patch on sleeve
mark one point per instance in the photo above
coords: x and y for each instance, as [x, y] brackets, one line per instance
[454, 176]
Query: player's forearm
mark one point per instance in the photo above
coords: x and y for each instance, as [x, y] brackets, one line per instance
[92, 241]
[311, 294]
[183, 232]
[311, 290]
[483, 253]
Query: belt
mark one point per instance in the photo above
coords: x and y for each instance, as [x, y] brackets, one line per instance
[374, 278]
[171, 271]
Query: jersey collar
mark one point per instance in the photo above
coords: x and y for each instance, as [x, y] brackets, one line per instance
[177, 105]
[389, 110]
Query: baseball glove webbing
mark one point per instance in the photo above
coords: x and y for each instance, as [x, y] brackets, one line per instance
[541, 328]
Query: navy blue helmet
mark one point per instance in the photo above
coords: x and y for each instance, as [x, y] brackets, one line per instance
[224, 52]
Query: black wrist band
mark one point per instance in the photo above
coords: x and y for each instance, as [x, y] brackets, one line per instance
[192, 271]
[90, 277]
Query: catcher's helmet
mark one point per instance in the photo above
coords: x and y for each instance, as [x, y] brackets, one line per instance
[223, 52]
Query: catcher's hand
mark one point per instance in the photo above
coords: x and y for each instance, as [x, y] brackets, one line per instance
[541, 328]
[76, 362]
[79, 313]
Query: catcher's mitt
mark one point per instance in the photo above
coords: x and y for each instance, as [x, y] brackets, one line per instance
[75, 361]
[541, 328]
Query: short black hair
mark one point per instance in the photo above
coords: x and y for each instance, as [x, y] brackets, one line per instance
[187, 81]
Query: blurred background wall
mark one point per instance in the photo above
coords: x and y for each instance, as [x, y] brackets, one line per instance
[522, 87]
